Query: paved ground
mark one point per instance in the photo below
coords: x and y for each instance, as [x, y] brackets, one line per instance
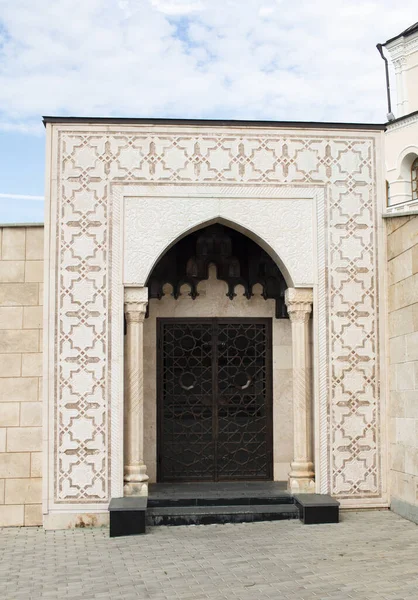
[369, 555]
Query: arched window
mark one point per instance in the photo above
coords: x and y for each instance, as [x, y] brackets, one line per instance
[414, 179]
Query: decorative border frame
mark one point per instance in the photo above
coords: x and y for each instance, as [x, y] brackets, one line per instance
[323, 450]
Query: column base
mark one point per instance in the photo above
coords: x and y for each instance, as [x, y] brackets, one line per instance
[135, 489]
[135, 481]
[301, 478]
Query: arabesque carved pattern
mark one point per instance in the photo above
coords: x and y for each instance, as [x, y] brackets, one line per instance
[89, 161]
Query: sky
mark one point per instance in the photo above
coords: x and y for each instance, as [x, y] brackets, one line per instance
[310, 60]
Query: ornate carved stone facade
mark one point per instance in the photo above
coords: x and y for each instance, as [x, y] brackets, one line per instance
[312, 197]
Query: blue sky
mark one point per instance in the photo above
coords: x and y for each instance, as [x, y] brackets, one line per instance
[230, 59]
[22, 157]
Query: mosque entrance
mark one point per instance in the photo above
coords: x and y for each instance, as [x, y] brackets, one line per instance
[214, 399]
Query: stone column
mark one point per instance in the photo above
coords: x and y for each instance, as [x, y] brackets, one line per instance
[135, 471]
[401, 89]
[299, 307]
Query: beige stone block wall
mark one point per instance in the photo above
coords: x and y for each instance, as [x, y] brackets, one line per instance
[403, 355]
[21, 277]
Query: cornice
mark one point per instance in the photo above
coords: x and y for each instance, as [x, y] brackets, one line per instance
[402, 122]
[402, 210]
[403, 46]
[411, 45]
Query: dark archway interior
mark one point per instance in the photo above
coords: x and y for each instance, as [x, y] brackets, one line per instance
[238, 260]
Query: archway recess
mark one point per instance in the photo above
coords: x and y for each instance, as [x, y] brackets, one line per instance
[238, 259]
[400, 180]
[219, 281]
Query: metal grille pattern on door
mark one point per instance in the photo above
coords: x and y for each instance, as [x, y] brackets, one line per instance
[214, 399]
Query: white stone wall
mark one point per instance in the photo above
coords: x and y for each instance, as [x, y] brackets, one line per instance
[401, 146]
[213, 302]
[404, 56]
[21, 276]
[401, 149]
[403, 333]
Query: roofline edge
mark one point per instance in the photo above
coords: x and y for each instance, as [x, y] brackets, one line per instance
[213, 122]
[406, 33]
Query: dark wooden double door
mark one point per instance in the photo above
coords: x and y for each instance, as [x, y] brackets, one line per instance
[214, 399]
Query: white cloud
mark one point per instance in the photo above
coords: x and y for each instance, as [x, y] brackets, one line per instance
[253, 59]
[30, 127]
[177, 7]
[22, 197]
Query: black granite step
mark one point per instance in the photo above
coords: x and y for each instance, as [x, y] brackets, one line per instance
[317, 508]
[219, 494]
[154, 502]
[127, 515]
[207, 515]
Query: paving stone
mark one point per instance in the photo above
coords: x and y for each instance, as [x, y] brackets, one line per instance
[368, 556]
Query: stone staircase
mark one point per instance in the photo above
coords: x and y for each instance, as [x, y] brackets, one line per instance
[209, 503]
[226, 505]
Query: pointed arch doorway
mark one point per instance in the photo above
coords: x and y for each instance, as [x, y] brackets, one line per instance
[214, 373]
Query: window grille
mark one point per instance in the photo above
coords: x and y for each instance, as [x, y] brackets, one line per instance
[414, 179]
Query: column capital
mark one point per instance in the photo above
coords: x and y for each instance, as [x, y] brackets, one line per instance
[136, 301]
[299, 304]
[135, 311]
[399, 64]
